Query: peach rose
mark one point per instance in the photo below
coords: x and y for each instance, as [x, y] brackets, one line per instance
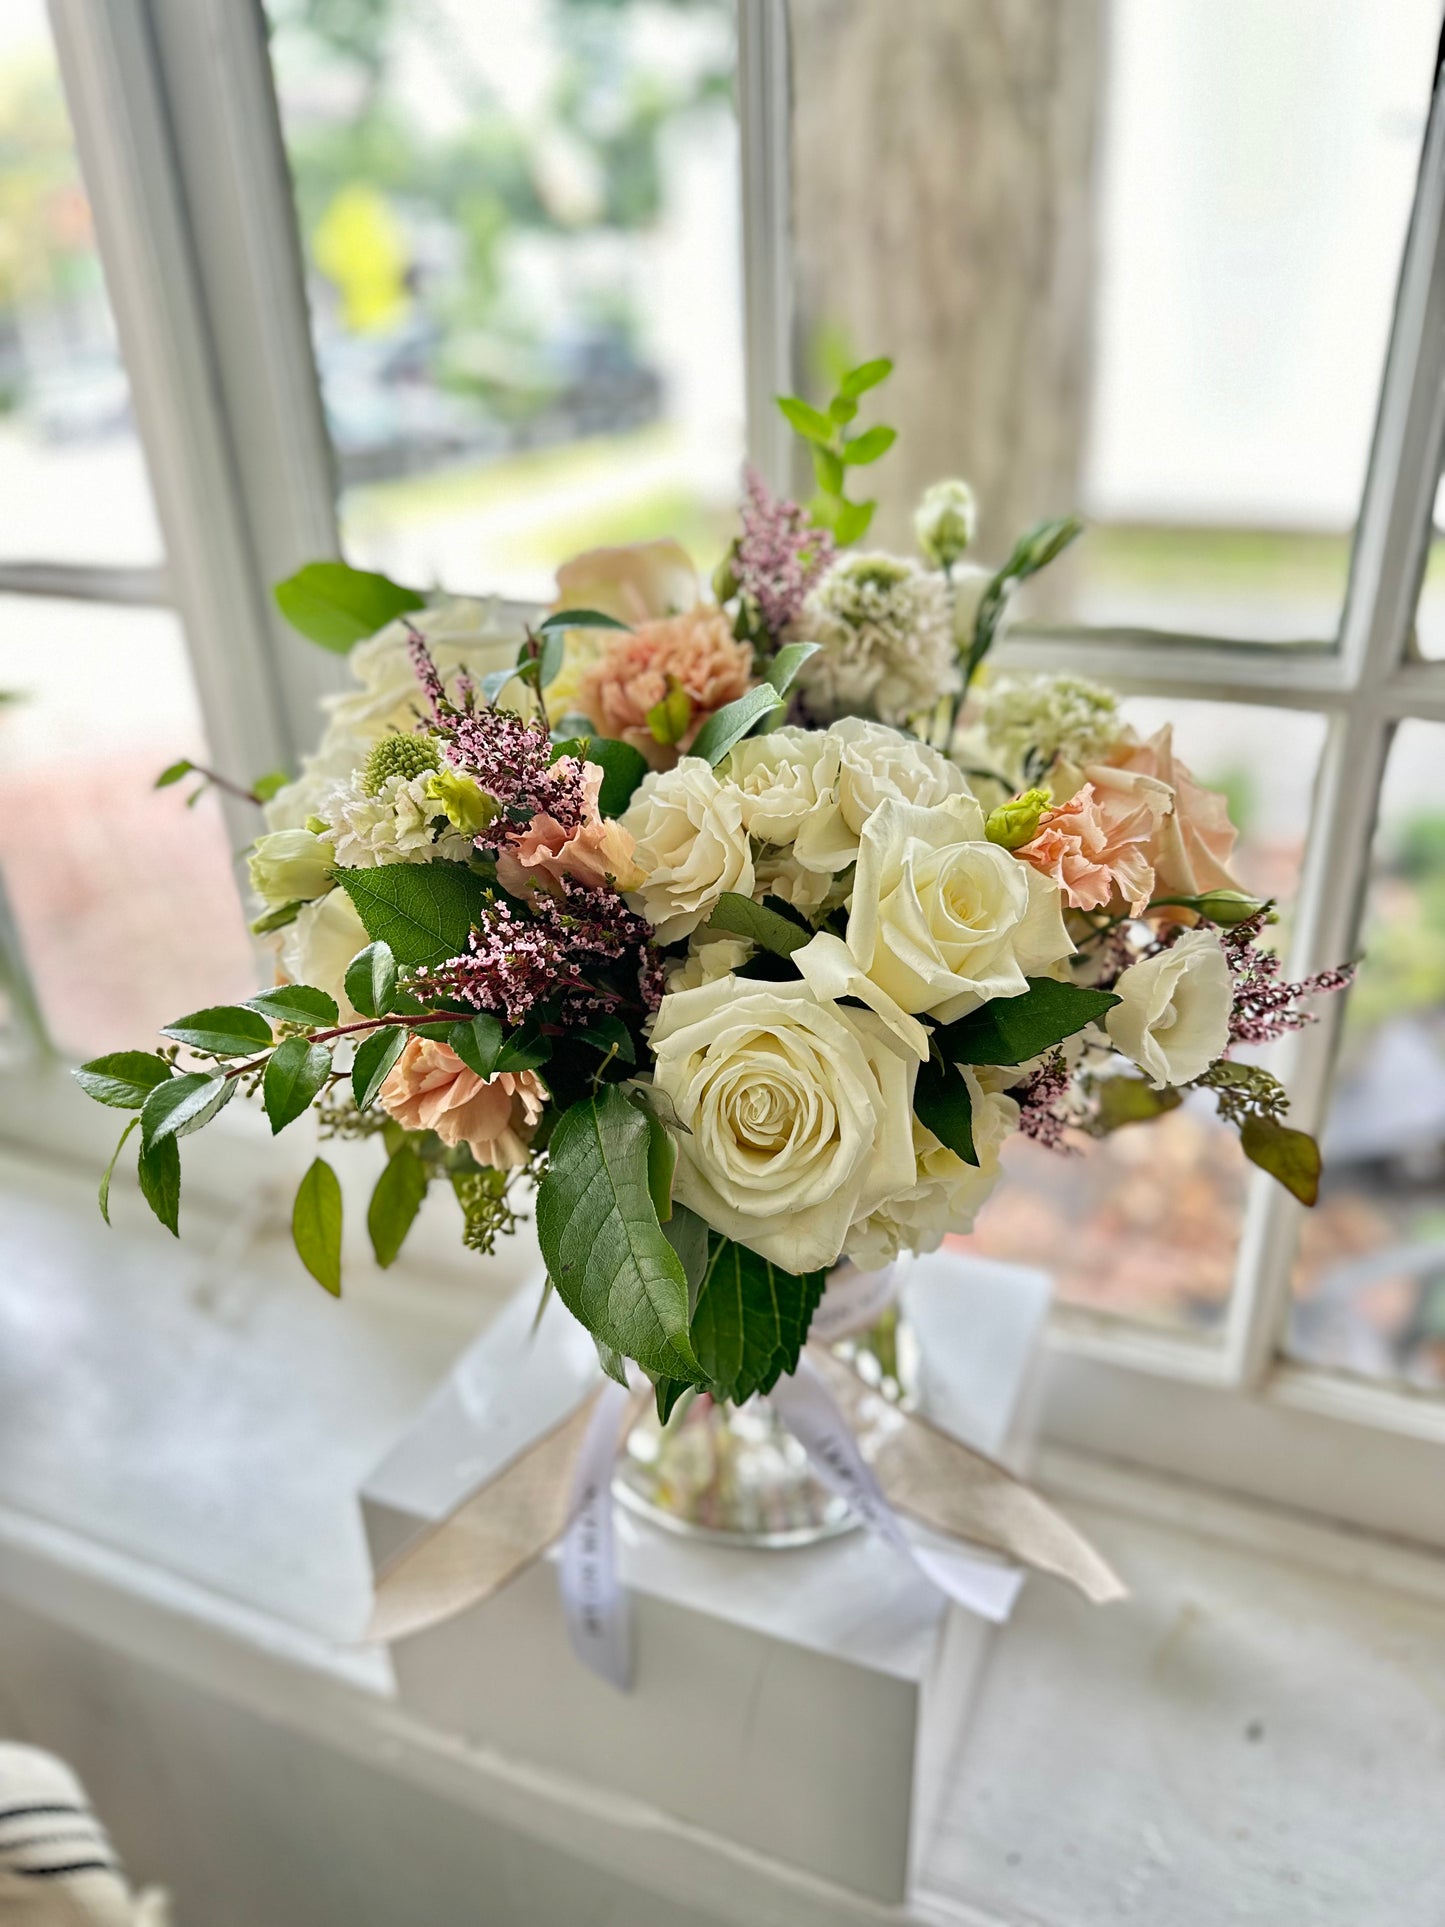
[1192, 845]
[431, 1089]
[635, 583]
[599, 852]
[1098, 843]
[630, 676]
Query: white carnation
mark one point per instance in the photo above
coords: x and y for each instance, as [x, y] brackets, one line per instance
[396, 825]
[885, 627]
[690, 846]
[1053, 718]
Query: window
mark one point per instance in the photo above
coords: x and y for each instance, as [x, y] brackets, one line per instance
[1182, 267]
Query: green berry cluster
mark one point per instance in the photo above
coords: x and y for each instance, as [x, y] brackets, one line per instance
[404, 756]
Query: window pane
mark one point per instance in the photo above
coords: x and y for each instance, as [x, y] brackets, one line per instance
[1370, 1285]
[1146, 1223]
[520, 227]
[127, 911]
[72, 477]
[1135, 260]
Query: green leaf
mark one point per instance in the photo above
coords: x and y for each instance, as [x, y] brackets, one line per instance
[316, 1225]
[608, 1033]
[686, 1232]
[374, 1058]
[564, 619]
[866, 375]
[524, 1049]
[131, 1125]
[606, 1252]
[295, 1074]
[423, 911]
[182, 1105]
[941, 1101]
[1292, 1157]
[622, 766]
[1033, 551]
[668, 1392]
[751, 1319]
[842, 410]
[173, 772]
[870, 446]
[1130, 1100]
[159, 1170]
[336, 605]
[278, 919]
[478, 1042]
[728, 726]
[495, 681]
[124, 1079]
[395, 1203]
[741, 917]
[784, 667]
[613, 1363]
[228, 1030]
[371, 979]
[661, 1163]
[828, 468]
[296, 1004]
[810, 422]
[671, 715]
[1011, 1030]
[553, 654]
[265, 787]
[851, 522]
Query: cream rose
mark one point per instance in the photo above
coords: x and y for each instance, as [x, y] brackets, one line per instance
[690, 846]
[291, 866]
[1173, 1014]
[875, 763]
[783, 779]
[799, 1114]
[941, 918]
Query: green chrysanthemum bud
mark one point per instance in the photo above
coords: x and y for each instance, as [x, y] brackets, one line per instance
[1015, 823]
[467, 805]
[944, 522]
[404, 756]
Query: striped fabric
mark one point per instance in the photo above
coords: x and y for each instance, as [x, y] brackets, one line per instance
[57, 1865]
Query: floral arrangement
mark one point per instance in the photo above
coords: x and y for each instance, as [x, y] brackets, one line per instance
[735, 932]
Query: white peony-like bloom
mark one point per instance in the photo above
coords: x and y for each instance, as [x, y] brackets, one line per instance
[778, 873]
[396, 825]
[874, 764]
[947, 1194]
[320, 944]
[691, 847]
[944, 920]
[290, 866]
[799, 1114]
[885, 627]
[784, 779]
[708, 957]
[1173, 1017]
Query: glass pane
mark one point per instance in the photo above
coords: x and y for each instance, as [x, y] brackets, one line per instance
[1370, 1284]
[1135, 260]
[72, 477]
[520, 228]
[1146, 1223]
[127, 911]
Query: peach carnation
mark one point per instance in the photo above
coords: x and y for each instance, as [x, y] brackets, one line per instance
[630, 676]
[1191, 847]
[431, 1089]
[1098, 842]
[599, 851]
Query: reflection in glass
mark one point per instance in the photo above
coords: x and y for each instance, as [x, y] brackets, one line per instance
[72, 476]
[1370, 1284]
[1146, 1223]
[127, 910]
[520, 228]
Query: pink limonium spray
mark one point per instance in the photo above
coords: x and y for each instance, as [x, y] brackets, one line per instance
[780, 554]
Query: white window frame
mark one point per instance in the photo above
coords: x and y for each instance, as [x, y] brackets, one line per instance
[180, 141]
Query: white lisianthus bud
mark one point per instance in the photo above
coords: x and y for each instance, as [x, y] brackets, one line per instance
[944, 522]
[291, 866]
[1173, 1013]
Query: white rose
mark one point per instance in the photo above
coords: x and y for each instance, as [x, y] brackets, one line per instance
[946, 1195]
[708, 958]
[874, 763]
[944, 920]
[1173, 1017]
[783, 779]
[691, 846]
[799, 1114]
[320, 944]
[290, 866]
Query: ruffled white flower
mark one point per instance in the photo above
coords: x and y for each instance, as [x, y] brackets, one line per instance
[1173, 1017]
[784, 779]
[709, 956]
[1058, 718]
[874, 763]
[885, 628]
[396, 825]
[799, 1114]
[690, 846]
[946, 1195]
[778, 873]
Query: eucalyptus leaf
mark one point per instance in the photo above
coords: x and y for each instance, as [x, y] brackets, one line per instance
[124, 1079]
[783, 669]
[495, 681]
[296, 1004]
[228, 1030]
[131, 1125]
[395, 1202]
[335, 605]
[1291, 1157]
[296, 1072]
[1132, 1100]
[159, 1170]
[371, 978]
[1012, 1030]
[423, 912]
[751, 1319]
[375, 1056]
[565, 619]
[942, 1102]
[316, 1225]
[769, 929]
[728, 726]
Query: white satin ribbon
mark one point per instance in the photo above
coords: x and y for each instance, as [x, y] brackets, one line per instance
[594, 1600]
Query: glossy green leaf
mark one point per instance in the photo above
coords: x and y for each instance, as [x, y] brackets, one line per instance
[565, 619]
[124, 1079]
[870, 446]
[296, 1073]
[769, 929]
[316, 1225]
[613, 1363]
[784, 667]
[423, 912]
[667, 1392]
[751, 1320]
[372, 1063]
[606, 1252]
[296, 1004]
[371, 979]
[1291, 1157]
[335, 605]
[395, 1202]
[809, 422]
[183, 1105]
[688, 1235]
[661, 1164]
[131, 1125]
[524, 1049]
[1011, 1030]
[478, 1042]
[942, 1102]
[866, 375]
[173, 773]
[228, 1030]
[159, 1170]
[607, 1033]
[728, 726]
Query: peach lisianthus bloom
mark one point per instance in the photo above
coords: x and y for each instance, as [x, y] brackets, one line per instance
[598, 851]
[1098, 843]
[632, 673]
[1192, 845]
[431, 1089]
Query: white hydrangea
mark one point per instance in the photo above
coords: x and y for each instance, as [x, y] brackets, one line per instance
[886, 630]
[1059, 718]
[396, 825]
